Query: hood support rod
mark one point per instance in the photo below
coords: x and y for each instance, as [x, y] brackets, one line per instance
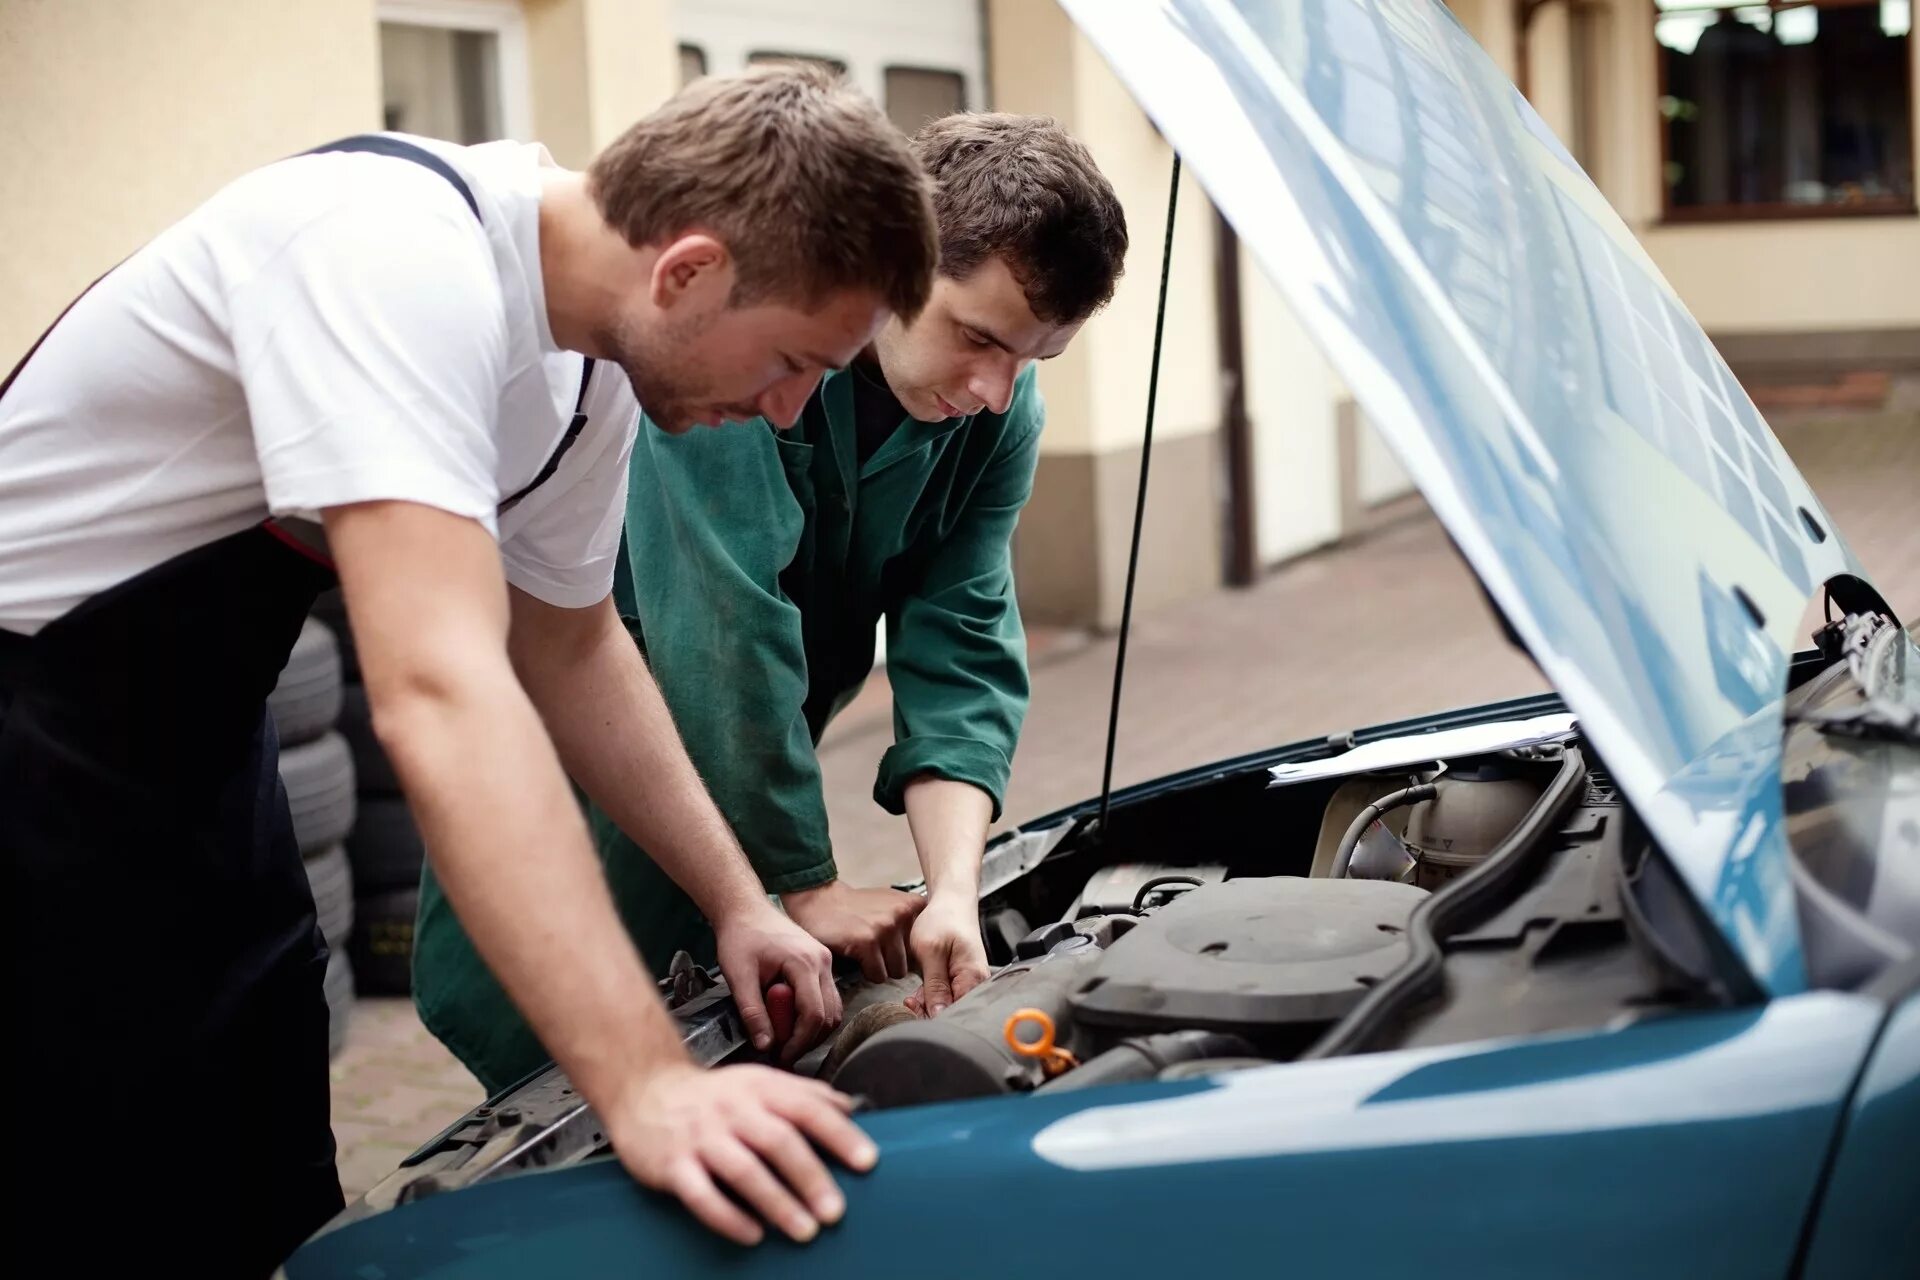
[1140, 502]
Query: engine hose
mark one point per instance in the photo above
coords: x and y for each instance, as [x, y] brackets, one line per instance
[1144, 1057]
[1370, 815]
[862, 1027]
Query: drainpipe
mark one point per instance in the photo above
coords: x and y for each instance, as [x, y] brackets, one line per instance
[1524, 12]
[1243, 555]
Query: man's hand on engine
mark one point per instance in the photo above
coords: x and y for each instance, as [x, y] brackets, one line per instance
[948, 952]
[868, 925]
[758, 946]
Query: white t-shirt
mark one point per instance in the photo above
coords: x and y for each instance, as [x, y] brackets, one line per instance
[329, 329]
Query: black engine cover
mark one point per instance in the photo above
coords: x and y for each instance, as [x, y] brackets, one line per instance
[1261, 957]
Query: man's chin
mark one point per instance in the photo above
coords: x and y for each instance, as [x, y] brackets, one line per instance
[672, 422]
[929, 410]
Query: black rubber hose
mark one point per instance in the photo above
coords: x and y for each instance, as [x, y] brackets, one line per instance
[1161, 882]
[1371, 814]
[1144, 1057]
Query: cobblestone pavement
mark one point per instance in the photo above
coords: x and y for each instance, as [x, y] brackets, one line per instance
[394, 1087]
[1390, 626]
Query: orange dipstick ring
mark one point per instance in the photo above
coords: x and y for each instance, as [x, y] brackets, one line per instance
[1053, 1060]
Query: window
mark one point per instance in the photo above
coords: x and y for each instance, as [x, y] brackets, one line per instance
[765, 57]
[693, 63]
[916, 95]
[454, 69]
[441, 83]
[1785, 108]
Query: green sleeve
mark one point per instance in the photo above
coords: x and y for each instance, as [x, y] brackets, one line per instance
[956, 653]
[712, 520]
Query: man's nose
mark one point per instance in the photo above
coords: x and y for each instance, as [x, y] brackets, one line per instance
[992, 385]
[781, 403]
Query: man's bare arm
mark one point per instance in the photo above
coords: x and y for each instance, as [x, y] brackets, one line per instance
[949, 821]
[616, 737]
[429, 609]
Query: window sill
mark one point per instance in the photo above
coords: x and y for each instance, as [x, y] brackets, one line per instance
[1723, 215]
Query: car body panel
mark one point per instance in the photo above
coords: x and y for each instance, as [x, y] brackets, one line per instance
[1869, 1222]
[1590, 453]
[1598, 1153]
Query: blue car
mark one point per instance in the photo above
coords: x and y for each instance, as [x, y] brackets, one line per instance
[1621, 980]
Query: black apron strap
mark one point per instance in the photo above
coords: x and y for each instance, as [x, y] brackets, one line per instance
[381, 145]
[574, 428]
[399, 149]
[371, 143]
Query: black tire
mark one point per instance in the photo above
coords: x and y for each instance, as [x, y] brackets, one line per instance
[306, 701]
[370, 763]
[318, 776]
[383, 942]
[338, 984]
[332, 882]
[385, 846]
[331, 609]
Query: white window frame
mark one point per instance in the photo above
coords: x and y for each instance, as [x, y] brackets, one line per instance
[503, 19]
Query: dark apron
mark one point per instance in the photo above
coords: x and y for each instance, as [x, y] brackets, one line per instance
[168, 1028]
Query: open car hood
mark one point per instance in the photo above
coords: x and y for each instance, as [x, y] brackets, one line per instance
[1613, 487]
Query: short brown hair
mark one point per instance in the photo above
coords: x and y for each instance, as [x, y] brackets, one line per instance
[1024, 188]
[812, 190]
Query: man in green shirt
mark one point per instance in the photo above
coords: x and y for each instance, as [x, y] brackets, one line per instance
[757, 564]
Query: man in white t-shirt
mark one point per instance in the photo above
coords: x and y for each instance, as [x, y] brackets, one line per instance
[402, 361]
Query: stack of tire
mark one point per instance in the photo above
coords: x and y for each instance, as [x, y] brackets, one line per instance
[316, 768]
[385, 847]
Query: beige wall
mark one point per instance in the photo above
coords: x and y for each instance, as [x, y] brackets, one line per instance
[1491, 22]
[1770, 277]
[1550, 70]
[597, 66]
[1071, 553]
[1096, 392]
[120, 117]
[1031, 50]
[1119, 341]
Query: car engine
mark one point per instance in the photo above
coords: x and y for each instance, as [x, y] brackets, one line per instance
[1238, 969]
[1504, 894]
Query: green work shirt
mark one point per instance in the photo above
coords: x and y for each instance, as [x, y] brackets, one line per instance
[755, 569]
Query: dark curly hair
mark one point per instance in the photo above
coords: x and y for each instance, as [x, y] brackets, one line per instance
[1022, 188]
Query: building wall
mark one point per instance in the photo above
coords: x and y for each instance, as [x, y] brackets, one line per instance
[596, 67]
[121, 117]
[125, 115]
[1071, 551]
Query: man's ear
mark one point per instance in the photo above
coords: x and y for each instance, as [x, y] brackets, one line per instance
[691, 267]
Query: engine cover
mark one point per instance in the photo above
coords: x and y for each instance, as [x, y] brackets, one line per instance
[1265, 958]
